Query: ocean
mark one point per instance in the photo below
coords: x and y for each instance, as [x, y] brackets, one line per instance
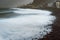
[25, 24]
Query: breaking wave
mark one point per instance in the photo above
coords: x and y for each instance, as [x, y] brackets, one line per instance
[33, 24]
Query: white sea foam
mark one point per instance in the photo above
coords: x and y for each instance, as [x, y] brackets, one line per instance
[31, 11]
[26, 27]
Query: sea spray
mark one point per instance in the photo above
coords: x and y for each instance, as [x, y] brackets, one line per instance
[26, 27]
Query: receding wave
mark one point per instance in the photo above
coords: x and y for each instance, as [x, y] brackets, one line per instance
[26, 27]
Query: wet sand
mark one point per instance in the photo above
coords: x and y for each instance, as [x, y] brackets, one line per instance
[55, 34]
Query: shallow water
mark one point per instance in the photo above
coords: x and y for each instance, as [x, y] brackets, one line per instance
[25, 24]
